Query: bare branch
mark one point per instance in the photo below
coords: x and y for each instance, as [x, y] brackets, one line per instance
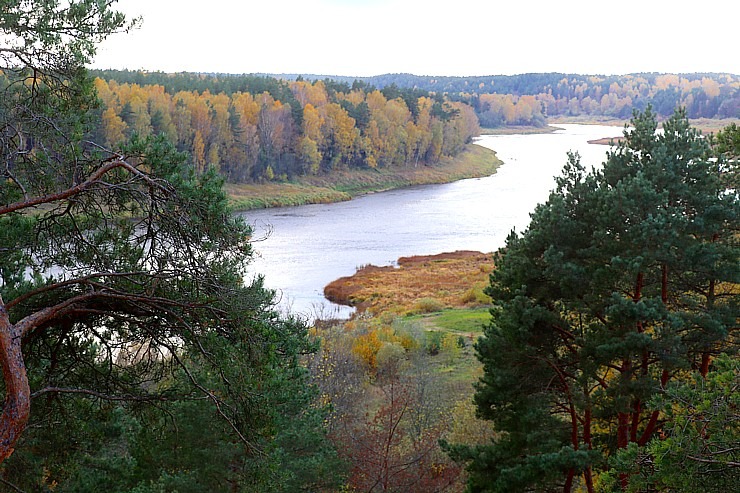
[11, 485]
[714, 461]
[93, 179]
[99, 395]
[86, 280]
[49, 313]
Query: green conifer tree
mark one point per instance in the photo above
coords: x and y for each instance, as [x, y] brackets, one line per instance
[624, 280]
[124, 305]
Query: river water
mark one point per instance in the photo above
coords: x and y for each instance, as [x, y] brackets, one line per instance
[301, 249]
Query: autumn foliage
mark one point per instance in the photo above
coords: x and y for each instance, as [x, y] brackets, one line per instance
[390, 405]
[279, 130]
[530, 99]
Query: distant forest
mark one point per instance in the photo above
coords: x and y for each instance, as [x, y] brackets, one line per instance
[261, 127]
[497, 98]
[255, 128]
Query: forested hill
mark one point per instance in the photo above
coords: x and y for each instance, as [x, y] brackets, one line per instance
[705, 95]
[255, 128]
[259, 127]
[525, 99]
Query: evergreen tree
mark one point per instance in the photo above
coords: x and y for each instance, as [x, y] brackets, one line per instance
[727, 145]
[698, 446]
[624, 281]
[124, 311]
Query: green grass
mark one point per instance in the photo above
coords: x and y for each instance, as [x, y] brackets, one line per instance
[469, 324]
[474, 162]
[254, 196]
[518, 129]
[465, 321]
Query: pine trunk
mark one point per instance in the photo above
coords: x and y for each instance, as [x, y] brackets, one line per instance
[17, 405]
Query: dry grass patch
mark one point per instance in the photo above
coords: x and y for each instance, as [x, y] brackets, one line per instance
[247, 196]
[420, 284]
[712, 125]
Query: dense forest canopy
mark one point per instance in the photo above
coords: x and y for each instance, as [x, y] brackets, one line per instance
[255, 128]
[496, 99]
[526, 99]
[704, 95]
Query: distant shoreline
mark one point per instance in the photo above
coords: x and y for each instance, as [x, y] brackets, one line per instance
[473, 162]
[519, 130]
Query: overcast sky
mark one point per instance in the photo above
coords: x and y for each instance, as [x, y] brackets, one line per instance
[426, 37]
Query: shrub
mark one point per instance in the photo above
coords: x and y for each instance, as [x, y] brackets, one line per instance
[428, 305]
[450, 348]
[433, 342]
[390, 358]
[366, 346]
[475, 296]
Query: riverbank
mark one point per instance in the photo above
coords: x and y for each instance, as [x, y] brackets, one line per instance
[706, 125]
[519, 130]
[308, 247]
[474, 162]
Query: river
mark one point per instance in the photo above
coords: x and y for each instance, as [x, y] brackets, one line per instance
[301, 249]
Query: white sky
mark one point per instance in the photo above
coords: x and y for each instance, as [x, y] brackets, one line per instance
[427, 37]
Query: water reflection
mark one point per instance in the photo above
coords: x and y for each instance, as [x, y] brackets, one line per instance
[309, 246]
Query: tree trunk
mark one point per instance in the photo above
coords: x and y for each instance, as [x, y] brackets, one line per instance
[623, 430]
[569, 481]
[17, 405]
[588, 475]
[706, 360]
[574, 441]
[650, 427]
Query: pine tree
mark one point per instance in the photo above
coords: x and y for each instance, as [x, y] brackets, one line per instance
[624, 281]
[123, 299]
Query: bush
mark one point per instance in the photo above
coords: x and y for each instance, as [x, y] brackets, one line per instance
[428, 305]
[461, 342]
[475, 296]
[450, 348]
[433, 342]
[389, 358]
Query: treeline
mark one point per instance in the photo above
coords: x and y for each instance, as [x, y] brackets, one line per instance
[507, 99]
[254, 128]
[703, 96]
